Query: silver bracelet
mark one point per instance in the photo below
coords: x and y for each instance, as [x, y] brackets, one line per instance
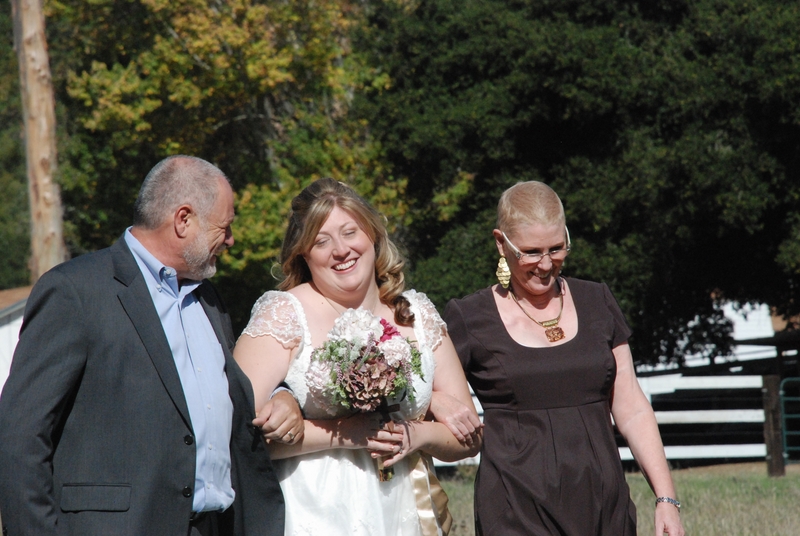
[670, 500]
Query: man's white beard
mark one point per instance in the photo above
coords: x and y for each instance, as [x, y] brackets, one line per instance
[198, 258]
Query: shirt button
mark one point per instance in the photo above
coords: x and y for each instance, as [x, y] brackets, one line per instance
[188, 439]
[187, 491]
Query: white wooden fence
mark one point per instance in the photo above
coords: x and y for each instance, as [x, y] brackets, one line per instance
[655, 385]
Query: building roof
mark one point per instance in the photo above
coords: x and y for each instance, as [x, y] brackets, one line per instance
[13, 297]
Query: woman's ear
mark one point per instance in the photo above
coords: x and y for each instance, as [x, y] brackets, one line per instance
[499, 241]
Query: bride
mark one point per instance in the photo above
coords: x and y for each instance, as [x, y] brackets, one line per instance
[337, 256]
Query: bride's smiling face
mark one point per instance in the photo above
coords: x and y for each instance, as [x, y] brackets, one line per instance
[342, 257]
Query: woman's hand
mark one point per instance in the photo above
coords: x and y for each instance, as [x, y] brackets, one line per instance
[368, 431]
[459, 419]
[392, 436]
[668, 520]
[404, 431]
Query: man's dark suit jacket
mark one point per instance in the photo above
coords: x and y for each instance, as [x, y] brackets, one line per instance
[95, 436]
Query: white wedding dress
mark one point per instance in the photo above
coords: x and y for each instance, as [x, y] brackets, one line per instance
[337, 492]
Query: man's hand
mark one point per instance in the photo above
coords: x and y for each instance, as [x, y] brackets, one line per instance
[280, 419]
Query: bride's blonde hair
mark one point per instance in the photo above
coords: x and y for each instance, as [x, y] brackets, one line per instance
[310, 209]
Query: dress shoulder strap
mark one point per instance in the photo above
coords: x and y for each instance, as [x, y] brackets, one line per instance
[433, 327]
[279, 315]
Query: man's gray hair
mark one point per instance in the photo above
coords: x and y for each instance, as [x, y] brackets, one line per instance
[177, 180]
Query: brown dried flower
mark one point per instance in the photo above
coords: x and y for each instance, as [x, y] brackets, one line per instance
[368, 383]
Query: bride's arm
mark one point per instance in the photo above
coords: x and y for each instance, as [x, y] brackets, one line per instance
[266, 362]
[435, 438]
[359, 431]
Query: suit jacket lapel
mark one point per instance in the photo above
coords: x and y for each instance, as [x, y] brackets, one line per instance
[206, 294]
[238, 384]
[135, 299]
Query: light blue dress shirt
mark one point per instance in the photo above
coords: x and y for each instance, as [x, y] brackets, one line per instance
[201, 366]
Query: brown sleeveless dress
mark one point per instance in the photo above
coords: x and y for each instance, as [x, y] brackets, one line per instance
[549, 463]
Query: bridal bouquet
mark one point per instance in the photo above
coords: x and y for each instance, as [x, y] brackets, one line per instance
[365, 362]
[365, 365]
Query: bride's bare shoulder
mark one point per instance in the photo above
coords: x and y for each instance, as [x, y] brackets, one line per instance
[304, 292]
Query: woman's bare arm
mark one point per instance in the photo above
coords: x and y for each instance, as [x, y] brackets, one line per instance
[636, 422]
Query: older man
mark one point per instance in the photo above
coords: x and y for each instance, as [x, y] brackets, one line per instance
[124, 412]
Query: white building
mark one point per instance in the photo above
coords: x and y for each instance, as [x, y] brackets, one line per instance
[12, 305]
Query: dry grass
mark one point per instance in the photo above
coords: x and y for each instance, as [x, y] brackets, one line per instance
[729, 500]
[458, 482]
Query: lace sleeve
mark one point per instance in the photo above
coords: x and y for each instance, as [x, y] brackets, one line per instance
[433, 326]
[274, 314]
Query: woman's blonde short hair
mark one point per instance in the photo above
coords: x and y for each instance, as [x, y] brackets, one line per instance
[310, 209]
[528, 203]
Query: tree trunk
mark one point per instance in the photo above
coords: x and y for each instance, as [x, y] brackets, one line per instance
[38, 108]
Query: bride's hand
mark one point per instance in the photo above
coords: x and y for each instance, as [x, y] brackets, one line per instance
[407, 444]
[366, 430]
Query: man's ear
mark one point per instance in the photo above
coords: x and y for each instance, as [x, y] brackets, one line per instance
[183, 220]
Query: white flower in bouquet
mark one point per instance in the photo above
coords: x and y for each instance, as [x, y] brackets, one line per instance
[356, 325]
[396, 351]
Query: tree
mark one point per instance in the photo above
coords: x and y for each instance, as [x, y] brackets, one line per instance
[670, 129]
[38, 106]
[262, 89]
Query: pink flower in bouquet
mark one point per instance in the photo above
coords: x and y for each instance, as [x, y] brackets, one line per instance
[389, 331]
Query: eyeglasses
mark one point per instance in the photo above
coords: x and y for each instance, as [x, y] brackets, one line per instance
[532, 258]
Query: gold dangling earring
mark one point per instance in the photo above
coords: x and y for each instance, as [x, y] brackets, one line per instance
[503, 273]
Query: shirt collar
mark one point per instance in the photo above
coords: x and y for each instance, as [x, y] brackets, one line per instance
[161, 273]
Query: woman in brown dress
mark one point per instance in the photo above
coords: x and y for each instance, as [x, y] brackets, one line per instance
[548, 358]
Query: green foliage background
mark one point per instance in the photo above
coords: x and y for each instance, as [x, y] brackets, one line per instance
[14, 215]
[670, 129]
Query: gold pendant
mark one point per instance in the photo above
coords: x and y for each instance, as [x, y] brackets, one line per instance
[554, 334]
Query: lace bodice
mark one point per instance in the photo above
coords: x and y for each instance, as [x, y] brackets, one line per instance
[280, 315]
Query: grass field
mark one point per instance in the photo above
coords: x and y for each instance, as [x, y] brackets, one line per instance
[729, 500]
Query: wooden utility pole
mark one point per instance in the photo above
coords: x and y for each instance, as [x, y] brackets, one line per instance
[38, 109]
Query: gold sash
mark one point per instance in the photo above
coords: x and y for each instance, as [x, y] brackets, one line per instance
[431, 498]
